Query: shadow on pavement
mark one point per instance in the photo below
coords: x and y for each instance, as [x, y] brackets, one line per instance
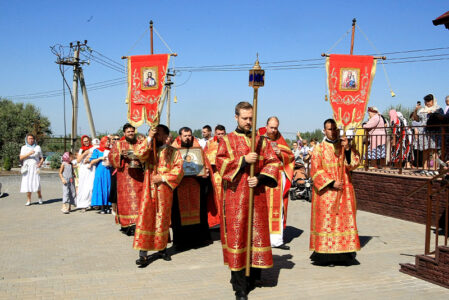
[270, 276]
[52, 201]
[364, 239]
[291, 233]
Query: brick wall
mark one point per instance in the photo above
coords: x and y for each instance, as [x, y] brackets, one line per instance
[385, 194]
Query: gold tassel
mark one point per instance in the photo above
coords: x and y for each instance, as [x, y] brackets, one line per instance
[175, 100]
[392, 93]
[325, 98]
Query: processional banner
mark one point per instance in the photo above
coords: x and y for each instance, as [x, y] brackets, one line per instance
[349, 79]
[146, 78]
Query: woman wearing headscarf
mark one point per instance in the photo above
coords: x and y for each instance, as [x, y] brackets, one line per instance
[32, 159]
[428, 140]
[376, 137]
[102, 181]
[86, 175]
[402, 138]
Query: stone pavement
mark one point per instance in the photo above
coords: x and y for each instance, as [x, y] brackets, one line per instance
[48, 255]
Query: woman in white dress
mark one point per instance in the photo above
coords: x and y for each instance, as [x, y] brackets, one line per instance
[32, 159]
[86, 176]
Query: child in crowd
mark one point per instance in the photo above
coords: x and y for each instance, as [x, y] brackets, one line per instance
[67, 175]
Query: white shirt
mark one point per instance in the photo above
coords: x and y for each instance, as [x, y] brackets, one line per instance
[203, 142]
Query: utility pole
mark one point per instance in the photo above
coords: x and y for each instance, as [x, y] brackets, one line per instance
[78, 78]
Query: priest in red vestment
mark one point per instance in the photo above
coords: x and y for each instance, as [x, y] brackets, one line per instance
[233, 162]
[163, 173]
[214, 199]
[189, 211]
[277, 198]
[129, 175]
[333, 229]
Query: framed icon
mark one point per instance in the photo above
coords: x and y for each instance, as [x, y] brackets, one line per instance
[193, 164]
[149, 78]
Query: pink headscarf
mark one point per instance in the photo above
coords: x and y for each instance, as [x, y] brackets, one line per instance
[66, 157]
[393, 116]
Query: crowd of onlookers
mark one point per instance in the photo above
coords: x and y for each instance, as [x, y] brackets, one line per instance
[417, 143]
[86, 176]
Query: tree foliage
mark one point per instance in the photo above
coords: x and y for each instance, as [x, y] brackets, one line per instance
[406, 112]
[16, 120]
[316, 134]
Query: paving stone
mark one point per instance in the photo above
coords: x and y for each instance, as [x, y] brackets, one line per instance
[48, 255]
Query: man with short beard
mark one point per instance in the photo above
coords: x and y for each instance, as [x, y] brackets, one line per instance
[163, 173]
[129, 179]
[189, 212]
[234, 158]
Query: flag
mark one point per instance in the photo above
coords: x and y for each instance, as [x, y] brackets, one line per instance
[146, 78]
[349, 79]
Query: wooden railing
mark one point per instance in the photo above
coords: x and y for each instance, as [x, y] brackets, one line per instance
[434, 186]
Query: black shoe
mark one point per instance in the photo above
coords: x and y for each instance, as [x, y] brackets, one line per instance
[241, 296]
[165, 255]
[283, 247]
[143, 260]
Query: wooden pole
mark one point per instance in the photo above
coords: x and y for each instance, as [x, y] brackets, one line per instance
[251, 190]
[352, 36]
[151, 36]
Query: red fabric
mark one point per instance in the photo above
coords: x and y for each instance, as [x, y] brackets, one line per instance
[103, 143]
[280, 193]
[84, 148]
[349, 82]
[143, 92]
[129, 185]
[235, 211]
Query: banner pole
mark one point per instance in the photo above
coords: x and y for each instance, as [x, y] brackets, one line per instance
[151, 36]
[352, 36]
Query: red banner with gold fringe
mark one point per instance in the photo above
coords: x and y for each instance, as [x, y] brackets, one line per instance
[349, 79]
[146, 78]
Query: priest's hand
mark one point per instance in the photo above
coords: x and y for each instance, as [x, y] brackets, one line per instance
[338, 185]
[252, 182]
[277, 150]
[152, 132]
[157, 179]
[345, 143]
[124, 153]
[250, 157]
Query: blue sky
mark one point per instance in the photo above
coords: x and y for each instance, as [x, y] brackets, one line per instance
[216, 33]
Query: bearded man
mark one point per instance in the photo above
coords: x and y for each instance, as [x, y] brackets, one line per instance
[277, 198]
[129, 179]
[189, 212]
[214, 199]
[233, 161]
[163, 173]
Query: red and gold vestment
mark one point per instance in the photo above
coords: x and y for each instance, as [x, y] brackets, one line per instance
[235, 172]
[277, 198]
[129, 184]
[153, 222]
[189, 193]
[333, 227]
[214, 199]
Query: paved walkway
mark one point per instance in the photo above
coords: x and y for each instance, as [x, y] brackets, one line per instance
[48, 255]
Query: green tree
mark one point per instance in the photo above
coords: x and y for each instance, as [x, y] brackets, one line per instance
[197, 133]
[16, 120]
[317, 134]
[406, 112]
